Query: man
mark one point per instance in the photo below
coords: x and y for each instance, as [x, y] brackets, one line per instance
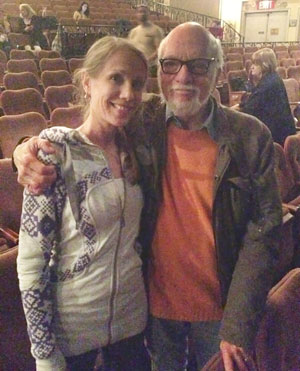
[146, 36]
[212, 212]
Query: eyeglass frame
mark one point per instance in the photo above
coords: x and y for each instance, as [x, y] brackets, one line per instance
[209, 60]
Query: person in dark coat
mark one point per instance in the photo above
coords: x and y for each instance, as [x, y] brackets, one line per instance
[268, 100]
[32, 24]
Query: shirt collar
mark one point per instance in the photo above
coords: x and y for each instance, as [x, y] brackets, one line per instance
[209, 123]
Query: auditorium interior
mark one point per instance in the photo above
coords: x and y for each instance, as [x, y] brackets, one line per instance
[37, 92]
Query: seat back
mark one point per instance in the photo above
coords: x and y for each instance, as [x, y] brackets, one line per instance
[47, 54]
[283, 173]
[53, 64]
[292, 154]
[295, 54]
[282, 54]
[287, 62]
[3, 57]
[60, 96]
[21, 80]
[21, 54]
[236, 80]
[18, 40]
[14, 127]
[292, 89]
[281, 72]
[56, 78]
[234, 57]
[15, 102]
[294, 72]
[22, 65]
[236, 49]
[233, 66]
[11, 196]
[67, 116]
[74, 64]
[277, 345]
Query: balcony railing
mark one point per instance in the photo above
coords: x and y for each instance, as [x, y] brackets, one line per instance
[182, 15]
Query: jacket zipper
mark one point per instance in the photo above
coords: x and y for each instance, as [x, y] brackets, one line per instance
[115, 259]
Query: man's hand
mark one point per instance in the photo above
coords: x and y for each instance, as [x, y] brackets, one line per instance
[32, 173]
[235, 358]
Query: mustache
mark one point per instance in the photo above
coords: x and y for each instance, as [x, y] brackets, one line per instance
[185, 87]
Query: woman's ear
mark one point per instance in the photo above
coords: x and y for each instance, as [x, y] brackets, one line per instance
[86, 83]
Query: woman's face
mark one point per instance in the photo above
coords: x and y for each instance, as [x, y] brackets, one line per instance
[24, 12]
[84, 7]
[117, 90]
[255, 73]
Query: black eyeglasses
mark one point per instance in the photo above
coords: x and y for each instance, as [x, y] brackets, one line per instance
[197, 66]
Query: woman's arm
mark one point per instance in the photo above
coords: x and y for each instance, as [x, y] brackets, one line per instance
[40, 224]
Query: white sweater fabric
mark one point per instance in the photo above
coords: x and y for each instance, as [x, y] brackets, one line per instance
[78, 264]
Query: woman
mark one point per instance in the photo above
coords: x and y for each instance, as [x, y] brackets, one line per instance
[268, 100]
[83, 12]
[32, 25]
[78, 265]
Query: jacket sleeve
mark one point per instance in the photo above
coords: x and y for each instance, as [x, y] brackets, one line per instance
[255, 270]
[40, 223]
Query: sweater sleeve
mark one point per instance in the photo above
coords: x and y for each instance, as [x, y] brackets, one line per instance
[40, 223]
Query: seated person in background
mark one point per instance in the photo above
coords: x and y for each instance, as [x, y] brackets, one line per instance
[78, 264]
[297, 115]
[4, 43]
[146, 36]
[83, 12]
[268, 100]
[32, 24]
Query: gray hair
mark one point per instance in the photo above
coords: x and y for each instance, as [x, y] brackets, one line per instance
[214, 45]
[266, 59]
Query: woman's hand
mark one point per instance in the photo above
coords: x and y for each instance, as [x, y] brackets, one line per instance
[32, 173]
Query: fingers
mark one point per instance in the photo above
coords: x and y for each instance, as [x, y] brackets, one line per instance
[32, 173]
[234, 358]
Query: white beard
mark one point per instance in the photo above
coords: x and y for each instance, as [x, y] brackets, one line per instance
[183, 109]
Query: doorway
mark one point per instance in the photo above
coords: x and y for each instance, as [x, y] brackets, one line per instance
[266, 26]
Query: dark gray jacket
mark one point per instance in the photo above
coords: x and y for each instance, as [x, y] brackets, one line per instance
[246, 210]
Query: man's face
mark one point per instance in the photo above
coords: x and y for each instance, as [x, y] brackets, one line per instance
[142, 14]
[187, 93]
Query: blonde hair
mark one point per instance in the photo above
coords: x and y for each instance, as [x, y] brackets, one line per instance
[29, 9]
[95, 60]
[266, 59]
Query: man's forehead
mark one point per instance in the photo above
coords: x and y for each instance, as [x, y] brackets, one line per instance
[186, 50]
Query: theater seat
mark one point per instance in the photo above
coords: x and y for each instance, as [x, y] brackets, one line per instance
[60, 96]
[70, 117]
[14, 127]
[21, 80]
[277, 344]
[74, 64]
[15, 102]
[52, 64]
[22, 65]
[14, 343]
[56, 78]
[21, 54]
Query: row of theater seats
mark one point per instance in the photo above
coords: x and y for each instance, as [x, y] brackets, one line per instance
[283, 307]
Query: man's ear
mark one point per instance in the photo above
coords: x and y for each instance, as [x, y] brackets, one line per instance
[86, 83]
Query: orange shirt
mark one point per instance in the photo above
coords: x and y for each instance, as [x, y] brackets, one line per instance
[183, 269]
